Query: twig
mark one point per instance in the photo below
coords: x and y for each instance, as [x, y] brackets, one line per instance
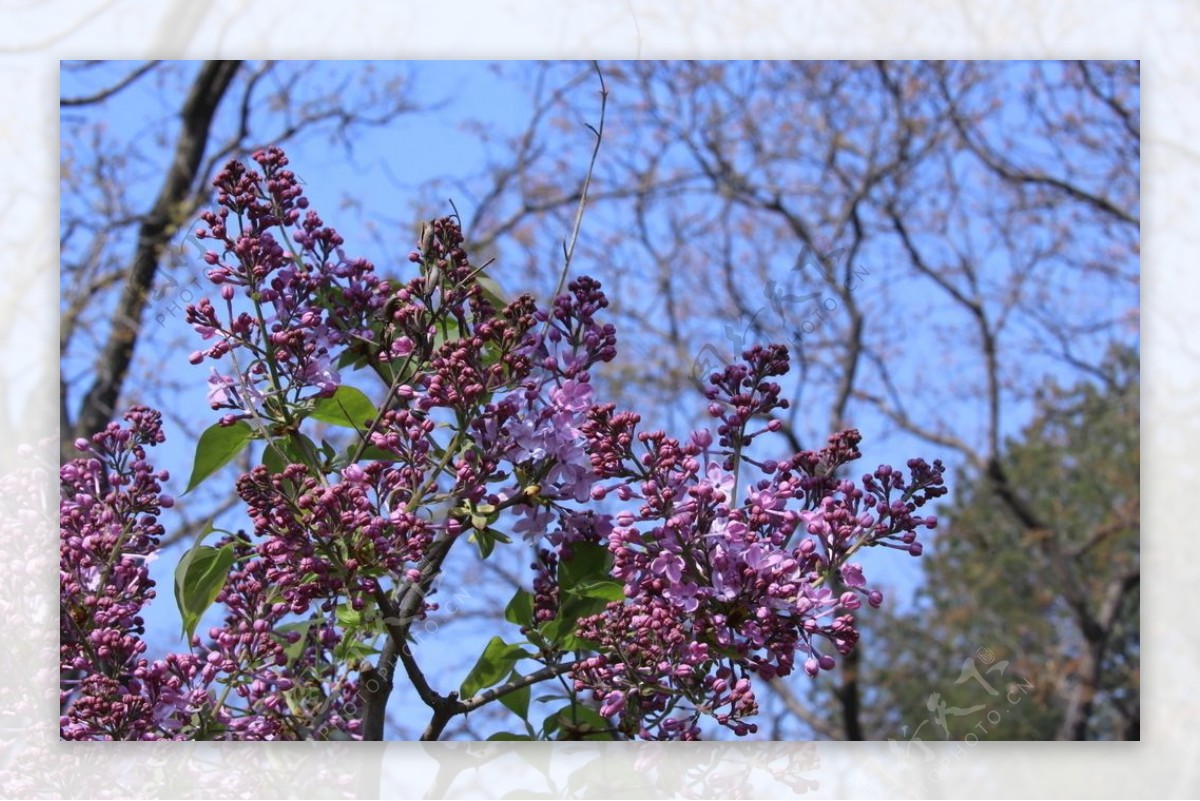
[104, 94]
[548, 672]
[569, 250]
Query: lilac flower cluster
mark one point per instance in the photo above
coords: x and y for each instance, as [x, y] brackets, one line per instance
[263, 653]
[305, 299]
[721, 588]
[489, 418]
[110, 502]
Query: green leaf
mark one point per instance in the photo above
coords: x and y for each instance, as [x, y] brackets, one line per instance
[447, 331]
[370, 453]
[562, 627]
[507, 735]
[199, 577]
[273, 459]
[494, 664]
[351, 651]
[294, 649]
[609, 591]
[577, 722]
[520, 609]
[352, 358]
[518, 700]
[588, 564]
[292, 449]
[347, 407]
[491, 290]
[350, 618]
[217, 446]
[487, 538]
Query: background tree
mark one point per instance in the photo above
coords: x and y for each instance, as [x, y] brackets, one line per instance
[1053, 590]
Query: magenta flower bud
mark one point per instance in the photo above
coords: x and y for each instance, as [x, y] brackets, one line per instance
[82, 444]
[774, 425]
[811, 667]
[598, 492]
[227, 291]
[853, 576]
[413, 575]
[702, 437]
[875, 598]
[402, 346]
[614, 702]
[166, 501]
[916, 548]
[826, 662]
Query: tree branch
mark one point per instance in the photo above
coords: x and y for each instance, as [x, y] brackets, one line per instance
[153, 235]
[104, 94]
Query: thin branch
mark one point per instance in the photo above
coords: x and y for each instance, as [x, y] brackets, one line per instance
[798, 709]
[487, 696]
[569, 250]
[1011, 173]
[104, 94]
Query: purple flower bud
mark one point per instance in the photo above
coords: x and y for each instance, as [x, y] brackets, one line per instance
[614, 702]
[853, 576]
